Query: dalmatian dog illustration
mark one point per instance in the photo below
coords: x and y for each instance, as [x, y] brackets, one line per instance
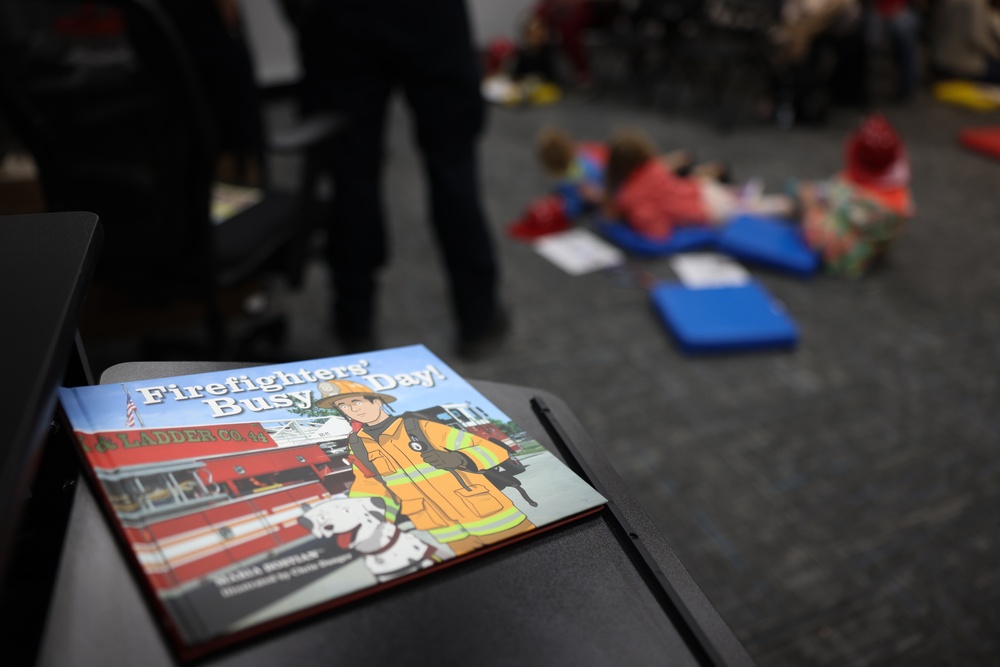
[359, 525]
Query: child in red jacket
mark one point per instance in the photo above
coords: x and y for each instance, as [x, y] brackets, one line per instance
[644, 191]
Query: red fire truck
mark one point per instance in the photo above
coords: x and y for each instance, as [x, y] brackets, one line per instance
[472, 419]
[189, 518]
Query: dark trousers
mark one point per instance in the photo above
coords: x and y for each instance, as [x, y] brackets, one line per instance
[424, 50]
[224, 66]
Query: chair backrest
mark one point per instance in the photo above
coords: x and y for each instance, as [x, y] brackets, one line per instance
[108, 101]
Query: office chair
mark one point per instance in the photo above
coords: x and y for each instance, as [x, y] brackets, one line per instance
[110, 101]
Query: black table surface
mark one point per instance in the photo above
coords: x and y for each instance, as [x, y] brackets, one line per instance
[605, 589]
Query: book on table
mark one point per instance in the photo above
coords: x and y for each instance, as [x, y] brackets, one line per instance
[247, 498]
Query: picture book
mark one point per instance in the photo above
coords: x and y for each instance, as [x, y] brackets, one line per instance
[250, 497]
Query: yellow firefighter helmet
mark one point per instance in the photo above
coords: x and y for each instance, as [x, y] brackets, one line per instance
[334, 390]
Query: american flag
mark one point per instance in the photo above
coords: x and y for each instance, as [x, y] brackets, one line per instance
[130, 410]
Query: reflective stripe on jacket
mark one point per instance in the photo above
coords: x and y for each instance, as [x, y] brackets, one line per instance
[434, 499]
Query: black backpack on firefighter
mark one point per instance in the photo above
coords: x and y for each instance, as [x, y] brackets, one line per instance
[501, 476]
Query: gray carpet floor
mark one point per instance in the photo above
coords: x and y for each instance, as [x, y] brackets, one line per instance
[838, 503]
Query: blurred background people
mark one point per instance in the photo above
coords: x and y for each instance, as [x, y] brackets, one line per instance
[820, 58]
[964, 40]
[899, 21]
[569, 20]
[534, 56]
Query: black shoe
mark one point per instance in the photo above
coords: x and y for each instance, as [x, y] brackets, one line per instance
[485, 344]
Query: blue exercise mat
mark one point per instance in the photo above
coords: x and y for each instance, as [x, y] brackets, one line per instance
[723, 319]
[683, 239]
[769, 242]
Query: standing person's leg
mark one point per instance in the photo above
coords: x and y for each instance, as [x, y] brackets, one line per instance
[224, 65]
[357, 245]
[351, 81]
[904, 31]
[442, 87]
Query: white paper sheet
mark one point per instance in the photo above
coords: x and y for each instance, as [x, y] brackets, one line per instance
[708, 269]
[579, 251]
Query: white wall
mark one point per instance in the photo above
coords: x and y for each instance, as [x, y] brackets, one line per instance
[496, 18]
[273, 45]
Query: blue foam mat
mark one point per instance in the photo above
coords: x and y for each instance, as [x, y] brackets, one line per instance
[683, 239]
[724, 319]
[770, 242]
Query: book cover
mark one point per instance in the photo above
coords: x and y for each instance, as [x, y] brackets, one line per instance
[251, 497]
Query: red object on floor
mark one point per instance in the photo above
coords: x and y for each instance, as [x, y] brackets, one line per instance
[982, 140]
[499, 53]
[544, 216]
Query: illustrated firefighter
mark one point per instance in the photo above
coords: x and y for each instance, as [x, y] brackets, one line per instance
[425, 470]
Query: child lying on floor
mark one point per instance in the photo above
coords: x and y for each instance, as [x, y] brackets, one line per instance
[647, 192]
[577, 169]
[853, 218]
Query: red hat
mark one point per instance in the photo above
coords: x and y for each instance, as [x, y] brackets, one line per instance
[544, 216]
[875, 154]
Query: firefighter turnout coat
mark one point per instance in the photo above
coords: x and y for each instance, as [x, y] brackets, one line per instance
[434, 499]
